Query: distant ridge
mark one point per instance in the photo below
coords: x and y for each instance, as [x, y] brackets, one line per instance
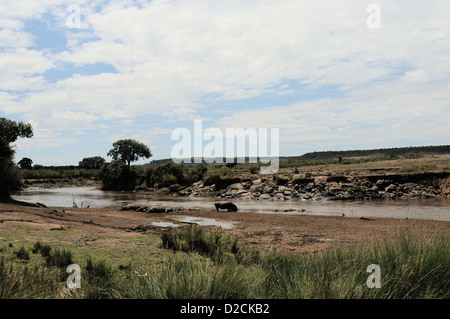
[397, 151]
[389, 152]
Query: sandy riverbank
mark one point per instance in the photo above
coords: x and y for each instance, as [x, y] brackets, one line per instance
[290, 233]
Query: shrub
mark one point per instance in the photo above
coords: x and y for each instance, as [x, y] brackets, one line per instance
[196, 239]
[45, 250]
[171, 173]
[281, 180]
[212, 180]
[60, 259]
[97, 272]
[118, 177]
[254, 168]
[22, 253]
[221, 182]
[36, 247]
[175, 188]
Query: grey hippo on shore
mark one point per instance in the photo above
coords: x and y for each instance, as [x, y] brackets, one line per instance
[229, 206]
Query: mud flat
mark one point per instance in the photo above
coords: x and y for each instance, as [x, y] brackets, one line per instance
[291, 233]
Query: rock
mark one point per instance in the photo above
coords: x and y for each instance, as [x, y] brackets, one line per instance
[365, 182]
[247, 185]
[268, 190]
[265, 196]
[241, 192]
[256, 188]
[131, 207]
[391, 188]
[278, 195]
[236, 186]
[157, 209]
[257, 181]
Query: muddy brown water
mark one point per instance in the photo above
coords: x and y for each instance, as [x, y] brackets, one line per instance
[431, 209]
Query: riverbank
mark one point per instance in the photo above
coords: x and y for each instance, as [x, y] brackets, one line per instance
[302, 234]
[352, 178]
[288, 186]
[128, 254]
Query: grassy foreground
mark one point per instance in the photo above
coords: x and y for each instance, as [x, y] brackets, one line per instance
[199, 264]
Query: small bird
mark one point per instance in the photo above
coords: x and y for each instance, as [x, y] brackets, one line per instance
[74, 204]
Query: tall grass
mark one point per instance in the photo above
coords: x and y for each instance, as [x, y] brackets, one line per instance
[216, 265]
[186, 278]
[410, 268]
[45, 276]
[23, 282]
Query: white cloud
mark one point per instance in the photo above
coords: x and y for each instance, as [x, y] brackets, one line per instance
[44, 139]
[375, 117]
[171, 55]
[416, 76]
[239, 48]
[20, 69]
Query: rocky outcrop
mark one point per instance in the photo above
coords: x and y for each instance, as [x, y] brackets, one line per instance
[148, 209]
[343, 188]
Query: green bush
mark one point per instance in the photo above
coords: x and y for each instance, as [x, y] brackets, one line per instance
[253, 169]
[45, 250]
[171, 173]
[118, 177]
[10, 177]
[60, 259]
[175, 188]
[221, 182]
[98, 271]
[22, 253]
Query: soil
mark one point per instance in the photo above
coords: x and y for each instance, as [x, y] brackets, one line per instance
[302, 234]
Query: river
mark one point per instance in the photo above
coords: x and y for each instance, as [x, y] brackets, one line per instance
[431, 209]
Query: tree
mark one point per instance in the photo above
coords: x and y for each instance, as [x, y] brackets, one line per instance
[128, 150]
[10, 131]
[25, 163]
[118, 177]
[92, 162]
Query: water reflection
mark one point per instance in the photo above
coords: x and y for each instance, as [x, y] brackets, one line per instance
[434, 209]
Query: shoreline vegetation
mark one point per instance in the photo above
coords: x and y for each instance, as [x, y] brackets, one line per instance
[402, 173]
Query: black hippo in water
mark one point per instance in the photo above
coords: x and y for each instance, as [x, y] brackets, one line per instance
[226, 205]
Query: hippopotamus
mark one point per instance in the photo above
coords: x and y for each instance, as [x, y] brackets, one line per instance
[226, 205]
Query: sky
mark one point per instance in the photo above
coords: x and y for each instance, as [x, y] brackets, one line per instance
[330, 75]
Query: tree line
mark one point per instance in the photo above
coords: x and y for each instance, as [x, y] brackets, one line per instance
[392, 152]
[116, 175]
[10, 131]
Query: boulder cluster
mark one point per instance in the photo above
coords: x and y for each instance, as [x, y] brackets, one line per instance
[347, 189]
[148, 209]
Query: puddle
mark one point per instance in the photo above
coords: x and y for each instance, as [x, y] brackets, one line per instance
[165, 224]
[204, 221]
